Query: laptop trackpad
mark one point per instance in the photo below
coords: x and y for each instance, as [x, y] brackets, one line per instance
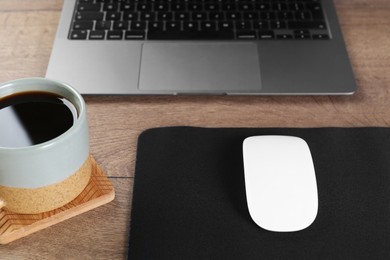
[200, 67]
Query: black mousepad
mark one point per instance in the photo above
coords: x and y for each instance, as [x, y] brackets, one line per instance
[189, 198]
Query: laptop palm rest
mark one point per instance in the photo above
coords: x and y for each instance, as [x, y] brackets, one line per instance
[199, 67]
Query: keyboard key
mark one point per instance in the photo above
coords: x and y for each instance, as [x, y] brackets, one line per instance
[279, 6]
[216, 16]
[225, 25]
[178, 7]
[284, 36]
[190, 26]
[194, 7]
[161, 7]
[208, 26]
[267, 15]
[285, 15]
[121, 25]
[301, 32]
[127, 7]
[316, 11]
[147, 7]
[89, 16]
[103, 25]
[261, 25]
[182, 16]
[155, 26]
[97, 35]
[80, 25]
[211, 7]
[302, 16]
[164, 16]
[172, 26]
[78, 35]
[134, 35]
[137, 26]
[110, 7]
[263, 7]
[266, 35]
[88, 7]
[148, 16]
[229, 7]
[246, 35]
[132, 16]
[250, 16]
[302, 36]
[278, 25]
[297, 6]
[219, 35]
[199, 16]
[246, 7]
[314, 7]
[320, 36]
[233, 16]
[113, 16]
[306, 25]
[114, 35]
[243, 25]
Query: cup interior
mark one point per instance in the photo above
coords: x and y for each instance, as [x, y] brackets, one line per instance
[54, 160]
[48, 95]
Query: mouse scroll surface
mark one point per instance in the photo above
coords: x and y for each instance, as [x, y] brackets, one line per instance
[280, 182]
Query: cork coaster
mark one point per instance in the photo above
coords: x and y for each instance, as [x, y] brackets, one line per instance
[98, 191]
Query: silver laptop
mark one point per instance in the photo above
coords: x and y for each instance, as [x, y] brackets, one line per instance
[233, 47]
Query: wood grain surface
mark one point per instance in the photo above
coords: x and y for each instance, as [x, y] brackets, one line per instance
[27, 30]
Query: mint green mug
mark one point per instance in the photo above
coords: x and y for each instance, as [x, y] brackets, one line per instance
[42, 175]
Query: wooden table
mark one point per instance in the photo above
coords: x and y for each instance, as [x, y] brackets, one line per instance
[27, 29]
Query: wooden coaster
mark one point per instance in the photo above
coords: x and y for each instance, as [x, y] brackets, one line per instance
[99, 191]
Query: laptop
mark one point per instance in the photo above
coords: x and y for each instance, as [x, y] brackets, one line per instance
[217, 47]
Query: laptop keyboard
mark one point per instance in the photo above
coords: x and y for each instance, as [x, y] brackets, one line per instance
[198, 20]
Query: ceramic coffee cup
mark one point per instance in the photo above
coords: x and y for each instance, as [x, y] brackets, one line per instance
[43, 175]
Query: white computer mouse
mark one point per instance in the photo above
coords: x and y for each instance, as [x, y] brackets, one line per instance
[280, 182]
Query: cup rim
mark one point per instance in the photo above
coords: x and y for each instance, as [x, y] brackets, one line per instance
[37, 81]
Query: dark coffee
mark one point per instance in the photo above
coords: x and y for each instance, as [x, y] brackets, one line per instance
[30, 118]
